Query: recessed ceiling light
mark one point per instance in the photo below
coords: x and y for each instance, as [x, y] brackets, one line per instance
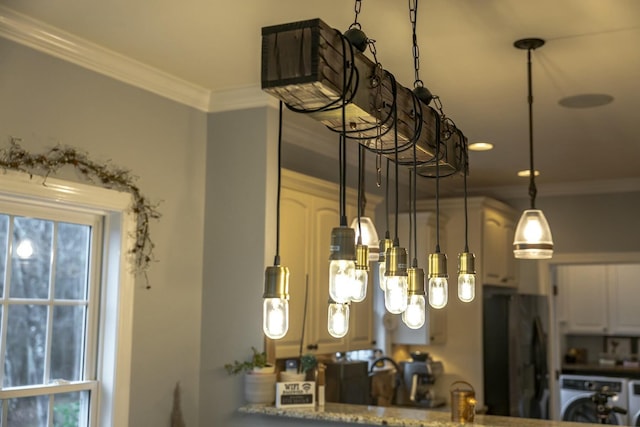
[587, 100]
[525, 173]
[480, 146]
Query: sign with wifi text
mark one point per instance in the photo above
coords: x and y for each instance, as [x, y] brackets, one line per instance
[296, 394]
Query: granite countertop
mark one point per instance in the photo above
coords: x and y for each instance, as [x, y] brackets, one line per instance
[395, 417]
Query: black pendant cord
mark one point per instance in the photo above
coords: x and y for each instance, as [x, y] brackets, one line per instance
[438, 186]
[466, 216]
[360, 190]
[276, 261]
[532, 184]
[411, 225]
[396, 239]
[413, 202]
[343, 137]
[386, 200]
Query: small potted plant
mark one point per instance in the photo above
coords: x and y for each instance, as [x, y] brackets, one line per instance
[259, 378]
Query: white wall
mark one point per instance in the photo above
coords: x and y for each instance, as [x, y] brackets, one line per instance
[45, 101]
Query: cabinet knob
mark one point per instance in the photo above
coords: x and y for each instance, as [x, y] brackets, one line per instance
[312, 346]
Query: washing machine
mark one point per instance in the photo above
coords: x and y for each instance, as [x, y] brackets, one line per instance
[576, 403]
[634, 402]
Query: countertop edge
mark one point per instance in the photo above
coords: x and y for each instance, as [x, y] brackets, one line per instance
[395, 417]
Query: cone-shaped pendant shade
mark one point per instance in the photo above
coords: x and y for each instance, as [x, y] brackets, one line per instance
[533, 238]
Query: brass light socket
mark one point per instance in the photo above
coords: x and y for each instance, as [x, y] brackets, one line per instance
[396, 262]
[385, 245]
[343, 244]
[276, 282]
[466, 263]
[415, 281]
[362, 257]
[438, 265]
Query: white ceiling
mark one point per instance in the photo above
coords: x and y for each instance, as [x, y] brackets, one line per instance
[467, 58]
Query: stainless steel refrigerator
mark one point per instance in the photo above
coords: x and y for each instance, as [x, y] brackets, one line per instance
[515, 353]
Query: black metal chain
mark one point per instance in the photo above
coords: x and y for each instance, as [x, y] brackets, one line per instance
[357, 7]
[413, 17]
[378, 103]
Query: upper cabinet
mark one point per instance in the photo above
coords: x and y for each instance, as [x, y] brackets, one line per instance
[598, 299]
[498, 263]
[490, 236]
[309, 210]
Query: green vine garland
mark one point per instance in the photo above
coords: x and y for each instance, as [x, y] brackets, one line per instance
[108, 176]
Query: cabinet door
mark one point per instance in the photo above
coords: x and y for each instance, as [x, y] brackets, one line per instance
[584, 289]
[624, 312]
[295, 236]
[498, 265]
[326, 216]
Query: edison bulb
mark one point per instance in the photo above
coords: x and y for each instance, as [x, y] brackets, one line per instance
[466, 287]
[338, 320]
[382, 279]
[341, 279]
[438, 292]
[396, 294]
[275, 317]
[414, 315]
[359, 286]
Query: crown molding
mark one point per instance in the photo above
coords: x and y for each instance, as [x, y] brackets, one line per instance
[60, 44]
[577, 188]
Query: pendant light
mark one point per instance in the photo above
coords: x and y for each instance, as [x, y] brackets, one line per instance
[361, 279]
[533, 238]
[363, 225]
[275, 308]
[396, 286]
[438, 277]
[342, 259]
[466, 259]
[386, 243]
[415, 314]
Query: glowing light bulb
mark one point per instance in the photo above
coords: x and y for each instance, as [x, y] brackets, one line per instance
[341, 280]
[438, 292]
[359, 286]
[396, 294]
[533, 238]
[382, 279]
[466, 287]
[338, 319]
[275, 318]
[415, 314]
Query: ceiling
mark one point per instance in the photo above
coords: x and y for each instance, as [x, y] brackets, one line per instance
[467, 58]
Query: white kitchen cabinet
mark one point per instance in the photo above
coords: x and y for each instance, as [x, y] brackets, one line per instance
[309, 211]
[498, 262]
[598, 299]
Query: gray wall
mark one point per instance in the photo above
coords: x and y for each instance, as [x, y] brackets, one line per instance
[45, 101]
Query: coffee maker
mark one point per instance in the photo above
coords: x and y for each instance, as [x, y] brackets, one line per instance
[419, 376]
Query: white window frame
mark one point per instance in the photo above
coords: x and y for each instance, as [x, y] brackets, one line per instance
[117, 278]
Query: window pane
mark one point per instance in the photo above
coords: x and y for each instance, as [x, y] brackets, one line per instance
[31, 258]
[67, 343]
[4, 231]
[72, 256]
[28, 411]
[71, 409]
[25, 352]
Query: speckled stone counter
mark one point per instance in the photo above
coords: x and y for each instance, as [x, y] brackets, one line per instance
[395, 417]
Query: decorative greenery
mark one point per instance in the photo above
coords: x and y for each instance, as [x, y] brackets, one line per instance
[308, 362]
[108, 176]
[258, 360]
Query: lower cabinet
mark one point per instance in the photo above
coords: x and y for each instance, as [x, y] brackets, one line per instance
[309, 211]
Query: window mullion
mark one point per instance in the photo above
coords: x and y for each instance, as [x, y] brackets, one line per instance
[5, 299]
[50, 306]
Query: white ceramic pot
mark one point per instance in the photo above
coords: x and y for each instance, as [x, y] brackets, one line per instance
[260, 388]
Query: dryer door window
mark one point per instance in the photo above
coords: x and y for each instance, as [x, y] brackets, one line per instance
[583, 410]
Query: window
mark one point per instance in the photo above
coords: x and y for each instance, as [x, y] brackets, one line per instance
[65, 305]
